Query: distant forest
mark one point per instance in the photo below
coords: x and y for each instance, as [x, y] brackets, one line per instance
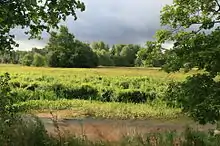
[64, 50]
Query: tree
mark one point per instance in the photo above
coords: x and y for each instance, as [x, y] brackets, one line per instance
[66, 51]
[38, 60]
[27, 59]
[116, 49]
[128, 53]
[36, 15]
[39, 51]
[104, 58]
[151, 55]
[141, 59]
[5, 57]
[194, 30]
[124, 54]
[99, 46]
[52, 59]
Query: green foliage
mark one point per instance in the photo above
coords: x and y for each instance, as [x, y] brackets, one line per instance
[75, 92]
[5, 57]
[123, 89]
[38, 60]
[52, 59]
[24, 132]
[42, 52]
[199, 97]
[6, 99]
[39, 15]
[66, 51]
[106, 94]
[124, 55]
[194, 31]
[133, 96]
[193, 46]
[111, 110]
[173, 96]
[150, 56]
[99, 46]
[104, 58]
[27, 59]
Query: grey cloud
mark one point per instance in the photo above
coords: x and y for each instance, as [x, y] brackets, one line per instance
[121, 21]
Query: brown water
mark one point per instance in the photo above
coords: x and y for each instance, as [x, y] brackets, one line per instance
[113, 130]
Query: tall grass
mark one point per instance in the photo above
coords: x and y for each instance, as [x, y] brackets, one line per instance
[111, 110]
[127, 85]
[29, 131]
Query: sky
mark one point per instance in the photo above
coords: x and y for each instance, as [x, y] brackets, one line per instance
[111, 21]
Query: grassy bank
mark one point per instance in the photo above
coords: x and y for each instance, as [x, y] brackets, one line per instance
[32, 132]
[104, 110]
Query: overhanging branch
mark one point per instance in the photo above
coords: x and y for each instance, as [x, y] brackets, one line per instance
[218, 5]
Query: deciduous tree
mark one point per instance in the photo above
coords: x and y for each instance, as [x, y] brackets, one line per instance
[35, 15]
[193, 27]
[66, 51]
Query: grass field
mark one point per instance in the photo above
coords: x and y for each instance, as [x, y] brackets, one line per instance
[133, 96]
[123, 93]
[101, 71]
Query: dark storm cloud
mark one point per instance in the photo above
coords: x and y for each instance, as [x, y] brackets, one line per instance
[121, 21]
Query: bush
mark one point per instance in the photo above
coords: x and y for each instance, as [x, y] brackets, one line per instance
[173, 95]
[38, 60]
[128, 95]
[81, 92]
[106, 95]
[198, 96]
[27, 131]
[75, 92]
[6, 100]
[27, 59]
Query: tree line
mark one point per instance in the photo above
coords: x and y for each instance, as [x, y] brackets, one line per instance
[64, 50]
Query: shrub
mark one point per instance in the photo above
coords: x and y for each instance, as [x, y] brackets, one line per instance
[6, 100]
[198, 96]
[81, 92]
[26, 131]
[173, 94]
[75, 92]
[38, 60]
[27, 59]
[128, 95]
[106, 94]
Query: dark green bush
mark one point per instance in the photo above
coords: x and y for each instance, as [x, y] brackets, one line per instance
[15, 84]
[198, 96]
[75, 92]
[32, 86]
[124, 85]
[173, 94]
[106, 95]
[136, 90]
[27, 131]
[81, 92]
[131, 95]
[27, 59]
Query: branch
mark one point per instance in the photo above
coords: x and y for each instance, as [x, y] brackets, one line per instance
[218, 5]
[195, 32]
[202, 23]
[176, 29]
